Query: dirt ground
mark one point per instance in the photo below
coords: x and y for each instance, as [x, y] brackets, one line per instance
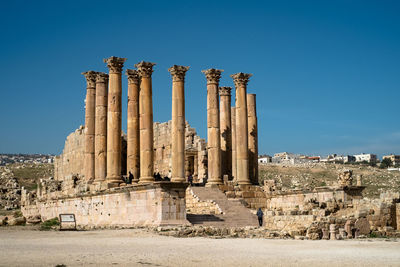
[27, 247]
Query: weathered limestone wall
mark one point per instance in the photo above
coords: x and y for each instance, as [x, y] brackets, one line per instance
[288, 223]
[196, 206]
[298, 200]
[71, 160]
[380, 212]
[156, 204]
[162, 147]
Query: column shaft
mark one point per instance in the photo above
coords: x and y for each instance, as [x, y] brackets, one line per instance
[226, 131]
[195, 167]
[100, 146]
[242, 155]
[114, 141]
[213, 128]
[252, 138]
[145, 70]
[90, 111]
[178, 123]
[133, 134]
[233, 123]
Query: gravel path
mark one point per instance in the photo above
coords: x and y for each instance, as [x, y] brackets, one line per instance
[141, 248]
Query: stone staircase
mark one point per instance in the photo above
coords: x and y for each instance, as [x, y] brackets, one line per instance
[235, 214]
[252, 196]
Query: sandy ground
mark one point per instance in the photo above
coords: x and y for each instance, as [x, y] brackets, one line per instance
[26, 247]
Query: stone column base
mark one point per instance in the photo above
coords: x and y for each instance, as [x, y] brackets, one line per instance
[178, 180]
[213, 184]
[146, 180]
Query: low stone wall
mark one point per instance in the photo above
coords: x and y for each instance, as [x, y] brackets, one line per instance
[288, 223]
[195, 206]
[155, 204]
[297, 199]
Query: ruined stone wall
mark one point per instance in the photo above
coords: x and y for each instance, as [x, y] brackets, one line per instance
[71, 161]
[140, 205]
[288, 223]
[293, 200]
[162, 149]
[380, 212]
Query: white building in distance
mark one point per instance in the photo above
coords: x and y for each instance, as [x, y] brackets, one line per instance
[366, 157]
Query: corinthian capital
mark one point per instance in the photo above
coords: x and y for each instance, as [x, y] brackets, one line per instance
[133, 76]
[225, 90]
[178, 72]
[115, 64]
[241, 79]
[212, 75]
[90, 78]
[101, 77]
[145, 69]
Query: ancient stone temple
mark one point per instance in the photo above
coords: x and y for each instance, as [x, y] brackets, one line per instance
[107, 177]
[165, 174]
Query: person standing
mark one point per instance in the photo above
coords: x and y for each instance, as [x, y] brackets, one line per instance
[260, 215]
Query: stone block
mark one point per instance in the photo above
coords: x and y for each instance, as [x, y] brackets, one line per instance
[362, 224]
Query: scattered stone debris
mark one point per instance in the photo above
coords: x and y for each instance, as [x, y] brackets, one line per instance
[10, 191]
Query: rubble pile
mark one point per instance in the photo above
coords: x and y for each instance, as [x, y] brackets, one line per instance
[10, 191]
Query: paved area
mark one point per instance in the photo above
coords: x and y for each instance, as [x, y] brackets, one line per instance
[142, 248]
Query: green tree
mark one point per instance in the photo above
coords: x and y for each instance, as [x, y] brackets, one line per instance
[385, 163]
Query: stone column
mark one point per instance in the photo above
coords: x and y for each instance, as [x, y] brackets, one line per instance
[242, 156]
[186, 167]
[114, 142]
[233, 125]
[252, 137]
[90, 111]
[213, 130]
[100, 146]
[178, 123]
[332, 231]
[195, 167]
[145, 70]
[133, 138]
[226, 131]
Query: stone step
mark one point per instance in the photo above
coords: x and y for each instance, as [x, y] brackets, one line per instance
[235, 214]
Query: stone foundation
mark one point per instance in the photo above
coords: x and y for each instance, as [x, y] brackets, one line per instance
[140, 205]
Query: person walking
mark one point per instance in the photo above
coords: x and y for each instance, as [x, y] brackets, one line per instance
[260, 215]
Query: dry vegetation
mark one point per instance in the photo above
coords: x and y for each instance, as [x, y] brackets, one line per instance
[27, 174]
[309, 176]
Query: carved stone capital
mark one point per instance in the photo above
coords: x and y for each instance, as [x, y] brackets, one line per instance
[115, 64]
[178, 72]
[212, 75]
[101, 77]
[145, 69]
[241, 79]
[90, 78]
[225, 90]
[133, 76]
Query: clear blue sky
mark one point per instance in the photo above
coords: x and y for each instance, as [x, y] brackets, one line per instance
[326, 73]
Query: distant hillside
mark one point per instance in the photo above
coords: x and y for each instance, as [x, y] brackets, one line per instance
[309, 176]
[27, 174]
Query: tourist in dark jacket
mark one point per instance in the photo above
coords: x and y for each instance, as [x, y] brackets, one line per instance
[260, 215]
